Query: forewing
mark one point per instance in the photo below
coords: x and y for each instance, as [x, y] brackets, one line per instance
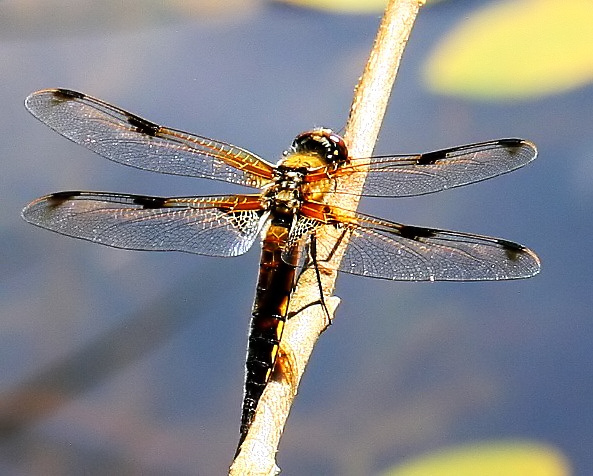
[408, 175]
[213, 226]
[131, 140]
[382, 249]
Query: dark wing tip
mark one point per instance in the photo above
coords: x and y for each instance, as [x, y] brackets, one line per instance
[57, 198]
[50, 202]
[512, 250]
[519, 144]
[61, 93]
[516, 252]
[38, 102]
[511, 142]
[58, 94]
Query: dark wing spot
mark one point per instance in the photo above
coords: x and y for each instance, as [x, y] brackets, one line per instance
[430, 158]
[511, 142]
[415, 232]
[144, 126]
[65, 94]
[512, 250]
[59, 198]
[150, 202]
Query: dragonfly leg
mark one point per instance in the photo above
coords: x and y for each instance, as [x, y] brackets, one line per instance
[313, 262]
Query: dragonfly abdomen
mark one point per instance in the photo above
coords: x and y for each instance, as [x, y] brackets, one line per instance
[274, 287]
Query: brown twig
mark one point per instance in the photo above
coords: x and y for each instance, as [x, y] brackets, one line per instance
[258, 452]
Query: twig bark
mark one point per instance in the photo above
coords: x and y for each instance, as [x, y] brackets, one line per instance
[258, 452]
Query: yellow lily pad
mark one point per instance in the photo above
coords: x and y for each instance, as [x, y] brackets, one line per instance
[344, 6]
[340, 6]
[508, 458]
[516, 49]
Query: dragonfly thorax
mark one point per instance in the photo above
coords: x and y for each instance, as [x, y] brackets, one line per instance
[284, 196]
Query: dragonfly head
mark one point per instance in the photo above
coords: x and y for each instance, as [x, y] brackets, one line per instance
[322, 144]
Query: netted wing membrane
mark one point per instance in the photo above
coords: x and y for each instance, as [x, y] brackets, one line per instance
[130, 140]
[206, 226]
[409, 175]
[382, 249]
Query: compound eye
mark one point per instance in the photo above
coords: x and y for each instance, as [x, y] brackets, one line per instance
[339, 149]
[309, 142]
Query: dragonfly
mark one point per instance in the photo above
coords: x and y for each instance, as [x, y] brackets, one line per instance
[290, 211]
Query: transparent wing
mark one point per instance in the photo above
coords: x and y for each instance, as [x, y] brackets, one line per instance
[408, 175]
[298, 238]
[213, 226]
[131, 140]
[382, 249]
